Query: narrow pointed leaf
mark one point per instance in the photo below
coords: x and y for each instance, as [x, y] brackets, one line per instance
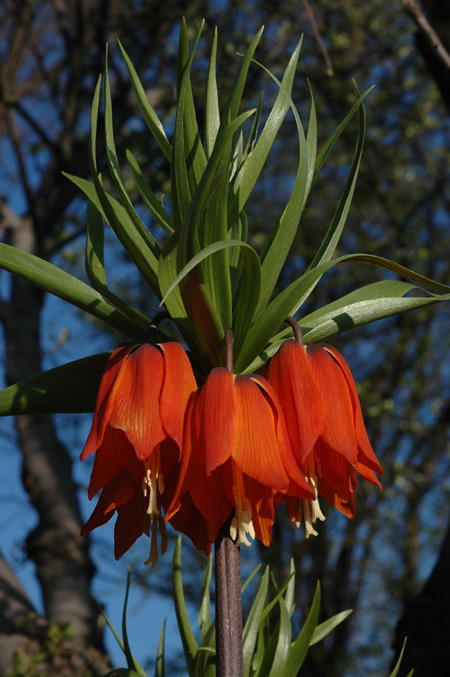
[116, 215]
[126, 646]
[151, 202]
[333, 235]
[204, 615]
[138, 243]
[324, 629]
[280, 240]
[56, 281]
[251, 628]
[290, 590]
[328, 145]
[212, 114]
[160, 667]
[95, 268]
[289, 300]
[256, 160]
[234, 101]
[187, 636]
[113, 163]
[217, 246]
[188, 157]
[395, 671]
[146, 109]
[299, 648]
[275, 655]
[71, 388]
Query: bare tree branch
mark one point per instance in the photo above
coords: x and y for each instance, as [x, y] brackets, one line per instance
[424, 26]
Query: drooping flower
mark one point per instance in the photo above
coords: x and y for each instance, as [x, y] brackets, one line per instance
[237, 455]
[323, 415]
[137, 434]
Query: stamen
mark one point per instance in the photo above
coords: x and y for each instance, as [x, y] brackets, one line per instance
[153, 484]
[311, 508]
[153, 556]
[241, 524]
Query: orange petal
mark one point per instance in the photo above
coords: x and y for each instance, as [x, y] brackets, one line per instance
[368, 455]
[255, 448]
[298, 485]
[289, 375]
[114, 453]
[103, 404]
[263, 513]
[120, 490]
[368, 474]
[190, 464]
[208, 496]
[216, 418]
[179, 384]
[135, 400]
[188, 520]
[339, 429]
[333, 469]
[132, 521]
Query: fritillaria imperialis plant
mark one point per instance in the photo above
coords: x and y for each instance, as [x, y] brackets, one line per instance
[248, 410]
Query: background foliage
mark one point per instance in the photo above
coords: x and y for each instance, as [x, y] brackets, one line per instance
[51, 54]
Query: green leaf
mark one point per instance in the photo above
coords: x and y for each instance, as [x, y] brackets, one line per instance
[116, 216]
[95, 268]
[280, 240]
[146, 109]
[329, 143]
[252, 624]
[56, 281]
[203, 254]
[126, 646]
[288, 301]
[234, 101]
[190, 646]
[160, 667]
[135, 222]
[188, 156]
[204, 615]
[137, 242]
[394, 673]
[256, 160]
[333, 235]
[324, 629]
[290, 590]
[299, 648]
[71, 388]
[277, 649]
[251, 279]
[212, 114]
[151, 202]
[125, 672]
[250, 577]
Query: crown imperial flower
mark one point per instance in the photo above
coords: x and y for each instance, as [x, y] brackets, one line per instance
[237, 455]
[137, 434]
[326, 430]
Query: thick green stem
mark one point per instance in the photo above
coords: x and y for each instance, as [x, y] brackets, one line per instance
[229, 657]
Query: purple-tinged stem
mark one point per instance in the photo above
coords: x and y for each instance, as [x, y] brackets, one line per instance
[229, 656]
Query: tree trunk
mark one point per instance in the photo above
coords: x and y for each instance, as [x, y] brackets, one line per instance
[63, 566]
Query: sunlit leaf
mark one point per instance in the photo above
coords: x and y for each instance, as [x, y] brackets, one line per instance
[324, 629]
[146, 109]
[69, 288]
[299, 647]
[190, 646]
[71, 388]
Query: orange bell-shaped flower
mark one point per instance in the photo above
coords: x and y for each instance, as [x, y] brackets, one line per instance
[137, 434]
[236, 455]
[323, 415]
